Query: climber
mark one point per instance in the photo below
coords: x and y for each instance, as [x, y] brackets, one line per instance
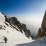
[5, 39]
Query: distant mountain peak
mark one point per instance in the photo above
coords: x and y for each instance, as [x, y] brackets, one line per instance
[42, 30]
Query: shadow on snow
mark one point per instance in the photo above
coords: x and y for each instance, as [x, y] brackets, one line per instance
[34, 43]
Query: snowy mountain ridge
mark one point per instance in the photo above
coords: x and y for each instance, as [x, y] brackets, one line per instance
[13, 22]
[14, 37]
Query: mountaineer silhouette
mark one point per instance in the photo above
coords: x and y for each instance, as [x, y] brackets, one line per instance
[5, 39]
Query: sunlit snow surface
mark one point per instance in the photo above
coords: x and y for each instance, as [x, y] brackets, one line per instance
[14, 37]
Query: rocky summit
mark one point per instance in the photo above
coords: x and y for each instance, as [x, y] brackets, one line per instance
[42, 30]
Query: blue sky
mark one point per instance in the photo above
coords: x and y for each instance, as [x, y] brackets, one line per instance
[23, 7]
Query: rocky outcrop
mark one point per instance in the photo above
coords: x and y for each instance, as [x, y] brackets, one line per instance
[43, 26]
[14, 19]
[2, 27]
[39, 33]
[42, 31]
[18, 24]
[24, 27]
[6, 19]
[28, 33]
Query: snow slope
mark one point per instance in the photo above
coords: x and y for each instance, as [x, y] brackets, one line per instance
[14, 37]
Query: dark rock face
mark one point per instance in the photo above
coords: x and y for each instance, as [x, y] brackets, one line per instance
[28, 33]
[43, 27]
[6, 23]
[14, 19]
[2, 27]
[18, 24]
[39, 32]
[24, 27]
[44, 22]
[6, 19]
